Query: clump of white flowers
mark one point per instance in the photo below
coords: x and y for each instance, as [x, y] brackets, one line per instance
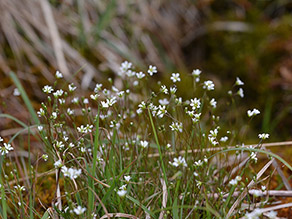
[264, 136]
[105, 130]
[5, 148]
[180, 161]
[196, 73]
[72, 173]
[79, 210]
[144, 144]
[235, 181]
[253, 112]
[122, 191]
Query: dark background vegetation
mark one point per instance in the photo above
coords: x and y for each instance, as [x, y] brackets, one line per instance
[225, 39]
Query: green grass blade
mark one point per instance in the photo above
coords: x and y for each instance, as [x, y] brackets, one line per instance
[25, 98]
[141, 205]
[4, 203]
[46, 215]
[159, 148]
[106, 17]
[90, 180]
[14, 119]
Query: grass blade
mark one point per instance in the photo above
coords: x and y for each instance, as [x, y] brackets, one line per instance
[25, 98]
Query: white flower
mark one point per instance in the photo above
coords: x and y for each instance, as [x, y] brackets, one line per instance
[16, 92]
[19, 188]
[127, 178]
[104, 104]
[238, 81]
[124, 68]
[196, 117]
[79, 210]
[233, 182]
[253, 112]
[1, 139]
[168, 145]
[58, 164]
[62, 101]
[254, 214]
[54, 115]
[161, 111]
[209, 85]
[224, 139]
[213, 103]
[195, 103]
[153, 108]
[272, 214]
[58, 93]
[144, 144]
[75, 100]
[213, 133]
[240, 93]
[175, 126]
[212, 140]
[142, 105]
[114, 124]
[72, 87]
[163, 101]
[59, 144]
[45, 157]
[47, 89]
[140, 75]
[112, 101]
[94, 96]
[173, 90]
[198, 163]
[70, 112]
[263, 188]
[139, 111]
[121, 94]
[238, 178]
[256, 193]
[85, 129]
[180, 161]
[71, 172]
[122, 191]
[97, 88]
[175, 77]
[196, 72]
[5, 149]
[130, 73]
[178, 101]
[163, 89]
[264, 136]
[59, 74]
[152, 70]
[85, 101]
[126, 65]
[253, 156]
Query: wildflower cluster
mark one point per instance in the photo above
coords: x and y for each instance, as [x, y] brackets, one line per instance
[117, 143]
[5, 148]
